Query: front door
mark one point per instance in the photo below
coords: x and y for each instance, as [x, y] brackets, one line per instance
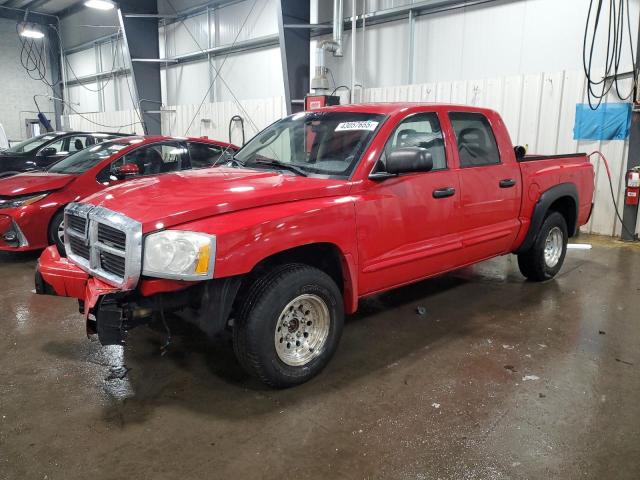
[408, 226]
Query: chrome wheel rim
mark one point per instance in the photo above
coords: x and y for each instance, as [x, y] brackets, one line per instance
[302, 330]
[61, 233]
[553, 247]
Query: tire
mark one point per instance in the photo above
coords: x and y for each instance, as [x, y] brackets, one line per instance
[56, 227]
[281, 354]
[545, 258]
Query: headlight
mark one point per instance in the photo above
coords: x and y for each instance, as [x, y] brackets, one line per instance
[22, 201]
[179, 255]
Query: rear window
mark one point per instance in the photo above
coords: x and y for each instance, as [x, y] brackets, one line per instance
[88, 158]
[477, 145]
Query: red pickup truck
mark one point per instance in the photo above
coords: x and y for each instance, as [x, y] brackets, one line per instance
[318, 210]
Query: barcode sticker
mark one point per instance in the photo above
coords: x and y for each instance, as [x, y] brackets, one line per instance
[348, 126]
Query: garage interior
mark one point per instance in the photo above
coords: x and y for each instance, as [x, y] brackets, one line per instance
[474, 374]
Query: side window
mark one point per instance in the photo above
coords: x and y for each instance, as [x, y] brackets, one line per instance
[77, 143]
[476, 143]
[421, 130]
[204, 155]
[58, 145]
[154, 159]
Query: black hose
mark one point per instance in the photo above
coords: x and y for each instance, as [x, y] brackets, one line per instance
[597, 90]
[236, 118]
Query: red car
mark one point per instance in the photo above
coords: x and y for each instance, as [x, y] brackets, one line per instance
[32, 204]
[317, 211]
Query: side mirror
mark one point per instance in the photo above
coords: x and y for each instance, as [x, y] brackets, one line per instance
[126, 171]
[48, 152]
[408, 160]
[520, 152]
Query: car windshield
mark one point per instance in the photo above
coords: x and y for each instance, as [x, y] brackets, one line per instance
[88, 158]
[312, 143]
[31, 144]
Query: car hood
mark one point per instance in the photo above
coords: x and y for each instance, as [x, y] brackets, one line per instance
[176, 198]
[28, 183]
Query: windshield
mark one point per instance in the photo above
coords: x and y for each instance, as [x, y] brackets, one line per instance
[31, 144]
[88, 158]
[321, 143]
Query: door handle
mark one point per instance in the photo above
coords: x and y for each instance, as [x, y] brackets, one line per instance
[444, 192]
[507, 183]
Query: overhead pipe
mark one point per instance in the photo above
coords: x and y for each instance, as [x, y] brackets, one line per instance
[320, 81]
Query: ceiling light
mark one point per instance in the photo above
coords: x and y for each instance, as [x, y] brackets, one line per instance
[30, 30]
[100, 4]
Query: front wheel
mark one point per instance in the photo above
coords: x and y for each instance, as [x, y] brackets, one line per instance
[56, 232]
[545, 258]
[289, 325]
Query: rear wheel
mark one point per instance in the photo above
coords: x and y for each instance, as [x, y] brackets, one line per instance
[289, 325]
[56, 232]
[545, 258]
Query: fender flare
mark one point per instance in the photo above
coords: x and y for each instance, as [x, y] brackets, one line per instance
[542, 207]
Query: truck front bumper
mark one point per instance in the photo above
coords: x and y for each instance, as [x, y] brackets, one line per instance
[57, 276]
[117, 311]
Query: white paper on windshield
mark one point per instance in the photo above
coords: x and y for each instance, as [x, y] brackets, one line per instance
[350, 126]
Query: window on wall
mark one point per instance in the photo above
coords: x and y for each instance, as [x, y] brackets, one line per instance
[474, 136]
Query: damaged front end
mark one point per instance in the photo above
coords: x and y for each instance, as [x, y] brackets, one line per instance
[111, 312]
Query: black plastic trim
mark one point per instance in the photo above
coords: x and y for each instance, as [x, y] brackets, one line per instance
[542, 207]
[533, 158]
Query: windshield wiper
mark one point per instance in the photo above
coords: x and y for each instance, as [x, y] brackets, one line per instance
[286, 166]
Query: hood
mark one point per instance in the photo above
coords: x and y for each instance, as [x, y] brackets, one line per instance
[181, 197]
[28, 183]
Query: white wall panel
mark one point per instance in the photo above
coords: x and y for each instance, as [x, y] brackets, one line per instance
[121, 121]
[496, 39]
[83, 100]
[81, 63]
[539, 111]
[249, 75]
[262, 21]
[213, 118]
[187, 83]
[190, 36]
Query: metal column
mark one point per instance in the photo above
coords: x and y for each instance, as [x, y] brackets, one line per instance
[142, 39]
[295, 51]
[56, 76]
[630, 212]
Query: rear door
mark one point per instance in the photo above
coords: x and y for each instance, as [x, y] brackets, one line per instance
[408, 226]
[490, 187]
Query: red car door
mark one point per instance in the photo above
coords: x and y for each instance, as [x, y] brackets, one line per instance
[490, 187]
[408, 226]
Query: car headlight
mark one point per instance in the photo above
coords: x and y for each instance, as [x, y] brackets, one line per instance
[23, 201]
[179, 255]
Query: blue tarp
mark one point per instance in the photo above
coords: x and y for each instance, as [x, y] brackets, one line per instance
[610, 121]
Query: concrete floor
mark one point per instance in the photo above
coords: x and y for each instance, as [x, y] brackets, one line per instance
[500, 378]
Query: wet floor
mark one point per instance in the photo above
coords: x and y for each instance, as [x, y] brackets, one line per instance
[497, 378]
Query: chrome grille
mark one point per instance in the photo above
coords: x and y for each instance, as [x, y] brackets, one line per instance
[112, 236]
[78, 224]
[106, 244]
[113, 264]
[79, 248]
